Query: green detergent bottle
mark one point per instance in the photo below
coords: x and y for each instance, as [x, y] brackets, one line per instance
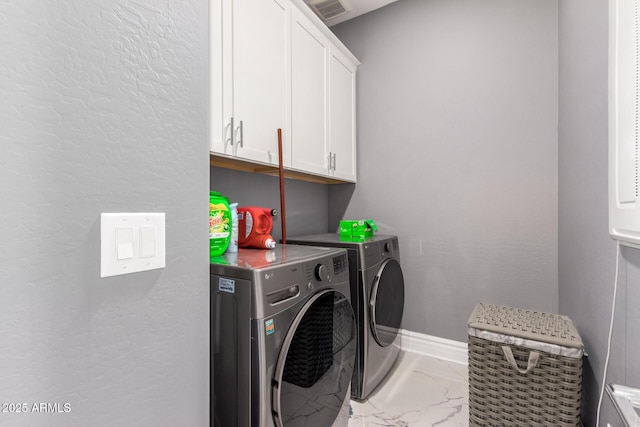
[219, 224]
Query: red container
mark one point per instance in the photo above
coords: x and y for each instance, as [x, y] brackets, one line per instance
[254, 227]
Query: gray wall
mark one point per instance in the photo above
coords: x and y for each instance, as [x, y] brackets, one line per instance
[306, 203]
[586, 252]
[457, 152]
[103, 110]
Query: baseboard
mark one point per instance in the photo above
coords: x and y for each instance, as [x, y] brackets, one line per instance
[428, 345]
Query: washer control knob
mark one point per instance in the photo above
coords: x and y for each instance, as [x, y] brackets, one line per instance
[387, 247]
[321, 272]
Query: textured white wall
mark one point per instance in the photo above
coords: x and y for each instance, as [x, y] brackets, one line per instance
[457, 152]
[103, 110]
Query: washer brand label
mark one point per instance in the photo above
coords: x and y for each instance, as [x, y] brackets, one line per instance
[269, 327]
[227, 285]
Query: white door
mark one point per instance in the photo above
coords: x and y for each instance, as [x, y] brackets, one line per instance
[260, 74]
[309, 131]
[342, 84]
[216, 52]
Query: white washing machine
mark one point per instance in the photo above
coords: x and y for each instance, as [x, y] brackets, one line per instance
[283, 338]
[377, 295]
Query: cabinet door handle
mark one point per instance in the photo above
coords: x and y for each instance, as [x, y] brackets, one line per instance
[330, 160]
[241, 141]
[231, 132]
[334, 162]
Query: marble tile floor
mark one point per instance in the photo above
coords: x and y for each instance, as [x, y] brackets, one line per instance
[420, 391]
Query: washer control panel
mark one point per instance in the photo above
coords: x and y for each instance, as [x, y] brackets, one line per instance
[340, 264]
[321, 273]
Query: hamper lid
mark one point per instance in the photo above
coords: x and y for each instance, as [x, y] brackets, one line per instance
[527, 324]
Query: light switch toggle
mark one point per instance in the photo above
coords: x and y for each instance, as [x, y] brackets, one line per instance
[147, 242]
[124, 245]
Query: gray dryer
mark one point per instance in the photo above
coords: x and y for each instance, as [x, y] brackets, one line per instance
[377, 295]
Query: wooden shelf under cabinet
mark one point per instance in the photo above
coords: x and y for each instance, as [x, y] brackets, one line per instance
[244, 166]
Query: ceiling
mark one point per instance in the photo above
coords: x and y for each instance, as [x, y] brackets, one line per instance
[353, 8]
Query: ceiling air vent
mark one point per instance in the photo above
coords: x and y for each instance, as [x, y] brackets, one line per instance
[328, 9]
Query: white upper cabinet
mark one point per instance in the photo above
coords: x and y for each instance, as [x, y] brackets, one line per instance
[254, 93]
[342, 116]
[274, 65]
[323, 139]
[216, 119]
[309, 106]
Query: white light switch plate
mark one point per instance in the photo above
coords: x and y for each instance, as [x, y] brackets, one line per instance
[123, 251]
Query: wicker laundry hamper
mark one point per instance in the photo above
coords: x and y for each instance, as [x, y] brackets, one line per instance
[525, 368]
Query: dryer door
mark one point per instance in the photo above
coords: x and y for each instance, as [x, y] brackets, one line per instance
[387, 302]
[313, 373]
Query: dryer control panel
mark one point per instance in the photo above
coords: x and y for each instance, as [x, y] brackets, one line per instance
[340, 264]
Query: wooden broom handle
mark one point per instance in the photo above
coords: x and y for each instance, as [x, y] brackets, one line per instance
[281, 174]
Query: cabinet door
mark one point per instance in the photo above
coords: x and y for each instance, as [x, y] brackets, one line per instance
[259, 78]
[216, 118]
[342, 116]
[309, 131]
